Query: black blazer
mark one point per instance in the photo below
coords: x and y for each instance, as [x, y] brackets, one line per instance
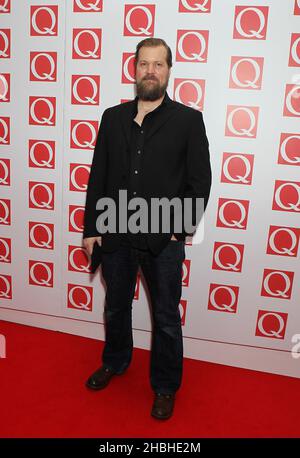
[175, 163]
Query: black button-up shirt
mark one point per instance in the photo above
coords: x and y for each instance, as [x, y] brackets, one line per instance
[136, 167]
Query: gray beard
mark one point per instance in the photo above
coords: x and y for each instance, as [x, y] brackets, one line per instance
[151, 93]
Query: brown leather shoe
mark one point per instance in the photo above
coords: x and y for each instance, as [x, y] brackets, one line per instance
[163, 406]
[101, 378]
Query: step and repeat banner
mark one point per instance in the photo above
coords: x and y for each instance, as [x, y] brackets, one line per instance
[62, 63]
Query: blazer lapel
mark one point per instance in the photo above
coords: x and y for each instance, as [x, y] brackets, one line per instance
[161, 117]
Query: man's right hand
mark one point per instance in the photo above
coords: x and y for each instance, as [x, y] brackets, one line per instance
[88, 243]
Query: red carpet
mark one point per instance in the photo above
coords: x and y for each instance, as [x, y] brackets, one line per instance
[43, 395]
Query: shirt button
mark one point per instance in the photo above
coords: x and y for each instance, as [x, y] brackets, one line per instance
[142, 131]
[135, 171]
[139, 151]
[134, 193]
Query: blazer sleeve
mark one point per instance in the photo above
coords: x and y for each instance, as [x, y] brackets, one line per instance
[97, 180]
[198, 175]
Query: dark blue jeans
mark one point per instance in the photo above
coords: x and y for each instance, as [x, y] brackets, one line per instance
[163, 275]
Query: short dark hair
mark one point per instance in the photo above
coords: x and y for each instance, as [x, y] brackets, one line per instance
[150, 42]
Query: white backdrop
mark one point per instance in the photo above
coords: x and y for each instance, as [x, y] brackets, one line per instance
[62, 63]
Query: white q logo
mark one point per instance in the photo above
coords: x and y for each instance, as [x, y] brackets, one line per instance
[278, 292]
[294, 159]
[43, 163]
[246, 83]
[85, 144]
[3, 88]
[252, 33]
[193, 104]
[46, 30]
[196, 7]
[243, 131]
[237, 178]
[141, 30]
[228, 266]
[89, 53]
[93, 83]
[228, 307]
[43, 120]
[3, 8]
[271, 333]
[45, 76]
[233, 222]
[3, 180]
[194, 56]
[3, 52]
[81, 305]
[290, 205]
[90, 6]
[288, 251]
[41, 204]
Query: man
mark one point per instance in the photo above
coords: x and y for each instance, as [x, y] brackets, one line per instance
[152, 147]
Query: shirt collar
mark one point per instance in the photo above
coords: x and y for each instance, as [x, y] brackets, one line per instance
[165, 101]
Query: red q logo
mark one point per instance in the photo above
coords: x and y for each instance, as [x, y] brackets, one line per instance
[233, 213]
[139, 20]
[76, 215]
[189, 92]
[79, 175]
[194, 6]
[41, 195]
[42, 111]
[41, 273]
[192, 45]
[223, 298]
[250, 23]
[277, 283]
[237, 168]
[80, 297]
[228, 256]
[297, 7]
[5, 287]
[283, 241]
[41, 235]
[294, 59]
[87, 6]
[128, 72]
[289, 150]
[4, 131]
[292, 100]
[241, 121]
[286, 196]
[83, 134]
[4, 87]
[182, 310]
[5, 44]
[5, 250]
[44, 20]
[87, 43]
[4, 172]
[185, 274]
[271, 324]
[5, 212]
[41, 154]
[246, 72]
[85, 90]
[78, 260]
[4, 6]
[43, 66]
